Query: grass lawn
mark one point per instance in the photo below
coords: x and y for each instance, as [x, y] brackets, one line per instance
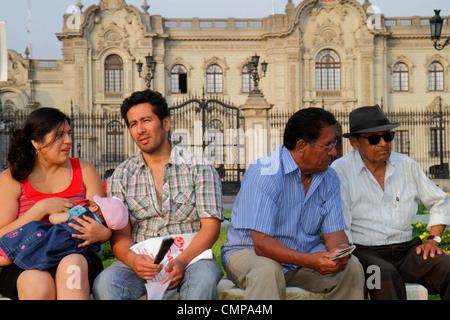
[222, 239]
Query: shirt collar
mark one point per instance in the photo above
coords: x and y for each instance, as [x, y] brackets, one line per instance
[290, 165]
[288, 161]
[360, 165]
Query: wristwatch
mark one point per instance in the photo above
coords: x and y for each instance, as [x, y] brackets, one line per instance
[435, 238]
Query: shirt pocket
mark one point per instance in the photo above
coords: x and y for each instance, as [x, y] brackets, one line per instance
[140, 208]
[184, 206]
[313, 218]
[27, 236]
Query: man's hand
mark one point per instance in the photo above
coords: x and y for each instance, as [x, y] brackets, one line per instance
[144, 267]
[430, 249]
[267, 246]
[176, 270]
[320, 261]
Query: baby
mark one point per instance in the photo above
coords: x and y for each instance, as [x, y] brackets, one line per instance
[42, 245]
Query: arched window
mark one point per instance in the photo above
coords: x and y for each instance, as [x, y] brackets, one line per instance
[214, 79]
[401, 77]
[114, 142]
[247, 81]
[435, 77]
[328, 70]
[113, 74]
[178, 79]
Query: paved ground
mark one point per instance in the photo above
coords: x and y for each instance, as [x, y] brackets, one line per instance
[228, 202]
[422, 218]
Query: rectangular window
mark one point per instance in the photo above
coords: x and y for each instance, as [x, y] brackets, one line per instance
[246, 83]
[179, 83]
[401, 141]
[113, 81]
[435, 141]
[214, 83]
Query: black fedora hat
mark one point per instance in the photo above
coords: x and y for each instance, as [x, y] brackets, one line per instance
[368, 119]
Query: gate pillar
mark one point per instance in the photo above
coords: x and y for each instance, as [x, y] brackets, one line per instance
[257, 129]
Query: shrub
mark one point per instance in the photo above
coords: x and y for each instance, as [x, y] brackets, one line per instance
[420, 230]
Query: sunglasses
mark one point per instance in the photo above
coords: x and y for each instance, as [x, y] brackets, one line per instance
[375, 138]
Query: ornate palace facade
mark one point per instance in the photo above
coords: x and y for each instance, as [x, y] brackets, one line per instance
[338, 53]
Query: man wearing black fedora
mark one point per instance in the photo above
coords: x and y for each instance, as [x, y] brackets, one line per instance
[380, 190]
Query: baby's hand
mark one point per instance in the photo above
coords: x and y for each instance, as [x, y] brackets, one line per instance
[57, 218]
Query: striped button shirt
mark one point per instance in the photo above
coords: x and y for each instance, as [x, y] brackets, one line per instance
[375, 217]
[191, 190]
[272, 201]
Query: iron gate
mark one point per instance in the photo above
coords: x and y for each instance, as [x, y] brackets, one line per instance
[215, 130]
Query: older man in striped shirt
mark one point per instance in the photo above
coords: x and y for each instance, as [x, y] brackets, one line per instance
[380, 190]
[286, 199]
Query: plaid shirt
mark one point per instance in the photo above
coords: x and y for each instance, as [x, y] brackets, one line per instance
[191, 190]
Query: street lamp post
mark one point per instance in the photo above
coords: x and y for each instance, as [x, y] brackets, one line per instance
[2, 123]
[2, 144]
[253, 68]
[151, 67]
[440, 116]
[441, 141]
[436, 24]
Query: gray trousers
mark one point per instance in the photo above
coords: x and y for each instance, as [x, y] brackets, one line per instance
[263, 278]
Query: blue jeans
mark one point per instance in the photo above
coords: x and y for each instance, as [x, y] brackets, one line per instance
[119, 282]
[41, 245]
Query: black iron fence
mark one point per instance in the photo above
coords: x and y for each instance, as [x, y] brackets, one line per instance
[422, 135]
[213, 128]
[103, 139]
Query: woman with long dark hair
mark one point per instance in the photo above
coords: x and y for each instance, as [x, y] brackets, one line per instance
[42, 179]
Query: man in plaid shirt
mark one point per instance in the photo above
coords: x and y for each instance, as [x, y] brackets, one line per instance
[168, 190]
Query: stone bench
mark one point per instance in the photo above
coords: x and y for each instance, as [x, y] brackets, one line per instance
[228, 291]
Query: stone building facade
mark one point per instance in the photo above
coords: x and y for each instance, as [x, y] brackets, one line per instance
[339, 53]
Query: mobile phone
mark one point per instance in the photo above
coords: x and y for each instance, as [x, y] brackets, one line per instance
[343, 252]
[165, 246]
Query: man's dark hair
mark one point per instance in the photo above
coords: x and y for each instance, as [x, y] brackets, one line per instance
[306, 124]
[154, 98]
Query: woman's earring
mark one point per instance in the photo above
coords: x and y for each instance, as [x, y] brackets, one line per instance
[37, 150]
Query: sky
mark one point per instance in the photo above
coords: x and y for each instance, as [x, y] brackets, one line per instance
[46, 16]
